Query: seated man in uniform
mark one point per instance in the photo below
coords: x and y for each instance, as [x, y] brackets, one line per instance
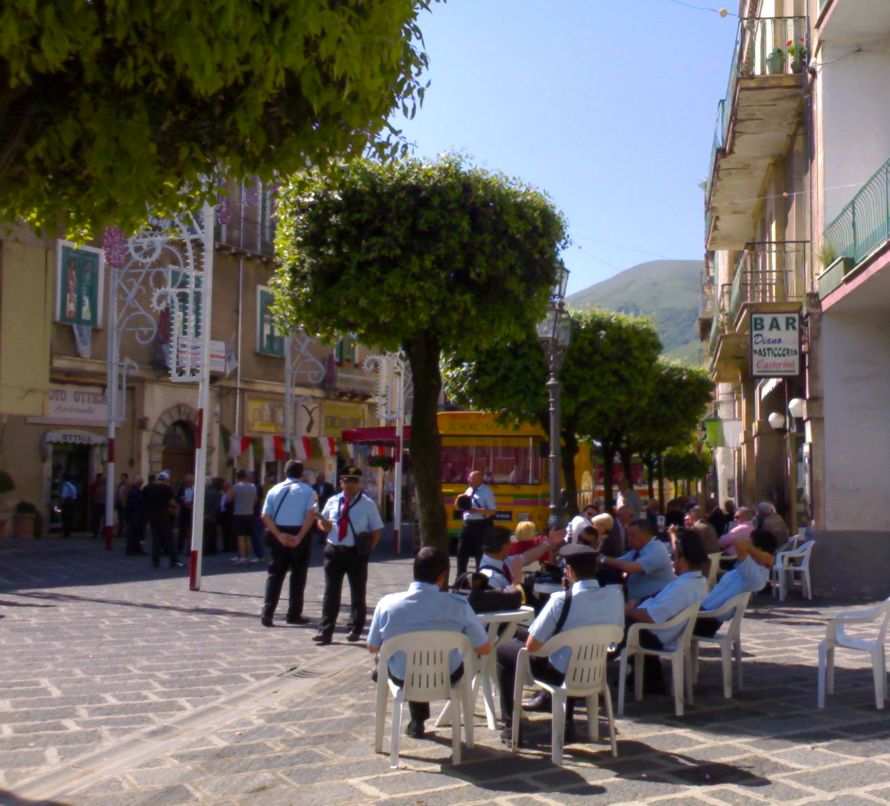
[647, 564]
[584, 604]
[501, 572]
[689, 587]
[750, 575]
[426, 605]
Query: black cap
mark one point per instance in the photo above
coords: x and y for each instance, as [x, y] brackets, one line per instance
[464, 503]
[351, 472]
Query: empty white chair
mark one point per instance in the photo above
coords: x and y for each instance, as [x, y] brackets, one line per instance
[729, 639]
[791, 563]
[585, 678]
[837, 638]
[713, 568]
[679, 655]
[427, 678]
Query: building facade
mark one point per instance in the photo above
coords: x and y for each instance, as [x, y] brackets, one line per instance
[797, 243]
[54, 342]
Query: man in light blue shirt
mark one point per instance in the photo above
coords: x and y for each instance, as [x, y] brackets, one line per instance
[587, 604]
[479, 509]
[690, 587]
[288, 514]
[750, 575]
[647, 564]
[425, 606]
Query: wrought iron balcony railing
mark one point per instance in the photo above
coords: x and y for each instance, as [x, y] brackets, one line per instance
[864, 224]
[767, 272]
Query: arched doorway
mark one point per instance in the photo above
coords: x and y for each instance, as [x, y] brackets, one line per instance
[178, 454]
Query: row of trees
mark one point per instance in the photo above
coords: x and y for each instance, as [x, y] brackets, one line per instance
[616, 391]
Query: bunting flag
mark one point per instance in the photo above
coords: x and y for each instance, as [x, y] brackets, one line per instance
[237, 446]
[328, 446]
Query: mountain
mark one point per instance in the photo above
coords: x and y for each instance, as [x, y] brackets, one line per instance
[665, 290]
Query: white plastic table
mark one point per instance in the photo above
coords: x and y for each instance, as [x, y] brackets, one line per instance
[485, 676]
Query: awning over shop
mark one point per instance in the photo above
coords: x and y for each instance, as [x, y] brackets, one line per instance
[74, 438]
[382, 435]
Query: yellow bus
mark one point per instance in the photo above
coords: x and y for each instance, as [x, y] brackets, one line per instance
[512, 458]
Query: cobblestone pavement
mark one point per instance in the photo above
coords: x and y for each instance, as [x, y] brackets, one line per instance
[120, 686]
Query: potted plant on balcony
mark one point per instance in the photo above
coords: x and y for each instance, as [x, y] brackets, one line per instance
[775, 62]
[797, 52]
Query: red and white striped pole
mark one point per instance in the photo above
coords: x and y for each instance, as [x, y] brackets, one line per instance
[203, 406]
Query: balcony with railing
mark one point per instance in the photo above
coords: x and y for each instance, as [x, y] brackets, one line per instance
[245, 222]
[755, 121]
[768, 276]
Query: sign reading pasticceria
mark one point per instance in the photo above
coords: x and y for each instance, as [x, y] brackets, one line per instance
[79, 279]
[775, 344]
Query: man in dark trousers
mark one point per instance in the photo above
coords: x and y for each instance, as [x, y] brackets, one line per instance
[288, 514]
[479, 508]
[161, 506]
[136, 515]
[353, 528]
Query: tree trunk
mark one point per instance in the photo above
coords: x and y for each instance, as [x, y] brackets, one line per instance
[423, 355]
[649, 461]
[660, 460]
[567, 455]
[608, 469]
[627, 465]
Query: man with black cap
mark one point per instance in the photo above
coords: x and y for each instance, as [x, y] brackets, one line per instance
[161, 505]
[584, 604]
[353, 526]
[689, 587]
[288, 515]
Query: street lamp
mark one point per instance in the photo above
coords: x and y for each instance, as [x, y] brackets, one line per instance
[555, 332]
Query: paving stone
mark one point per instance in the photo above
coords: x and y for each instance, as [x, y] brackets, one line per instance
[846, 776]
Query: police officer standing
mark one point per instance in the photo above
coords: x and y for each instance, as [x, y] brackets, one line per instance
[352, 524]
[288, 514]
[479, 510]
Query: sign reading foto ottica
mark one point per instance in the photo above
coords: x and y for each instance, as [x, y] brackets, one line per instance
[775, 344]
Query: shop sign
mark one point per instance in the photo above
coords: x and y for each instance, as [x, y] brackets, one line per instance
[263, 415]
[775, 344]
[341, 416]
[86, 404]
[73, 438]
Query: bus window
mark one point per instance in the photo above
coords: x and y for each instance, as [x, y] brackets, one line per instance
[507, 463]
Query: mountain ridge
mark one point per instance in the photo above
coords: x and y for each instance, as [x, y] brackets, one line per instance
[665, 290]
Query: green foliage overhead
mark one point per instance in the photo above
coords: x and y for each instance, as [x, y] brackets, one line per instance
[106, 107]
[680, 395]
[416, 250]
[685, 464]
[425, 257]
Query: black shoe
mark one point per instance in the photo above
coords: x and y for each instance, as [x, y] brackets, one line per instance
[355, 635]
[569, 736]
[507, 736]
[539, 704]
[266, 621]
[297, 620]
[323, 638]
[415, 729]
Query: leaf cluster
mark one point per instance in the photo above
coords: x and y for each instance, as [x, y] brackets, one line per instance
[409, 250]
[109, 106]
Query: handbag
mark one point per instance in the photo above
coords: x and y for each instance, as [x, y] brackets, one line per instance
[481, 597]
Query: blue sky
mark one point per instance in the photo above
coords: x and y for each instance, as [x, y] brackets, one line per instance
[607, 105]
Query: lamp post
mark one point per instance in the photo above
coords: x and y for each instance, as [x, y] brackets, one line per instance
[555, 332]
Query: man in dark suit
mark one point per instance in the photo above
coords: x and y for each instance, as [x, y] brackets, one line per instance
[324, 490]
[615, 545]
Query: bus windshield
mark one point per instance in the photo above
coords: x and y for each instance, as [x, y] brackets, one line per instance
[503, 461]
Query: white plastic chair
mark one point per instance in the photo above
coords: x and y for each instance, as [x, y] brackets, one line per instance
[714, 568]
[585, 678]
[729, 641]
[681, 666]
[836, 638]
[789, 563]
[427, 678]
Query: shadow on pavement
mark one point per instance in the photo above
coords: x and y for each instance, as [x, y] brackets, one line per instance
[10, 799]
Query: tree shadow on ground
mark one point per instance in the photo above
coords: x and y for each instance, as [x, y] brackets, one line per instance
[11, 799]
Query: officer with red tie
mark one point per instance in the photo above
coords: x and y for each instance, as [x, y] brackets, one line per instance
[352, 525]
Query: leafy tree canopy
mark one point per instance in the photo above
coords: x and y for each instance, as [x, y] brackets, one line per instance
[106, 107]
[685, 464]
[426, 257]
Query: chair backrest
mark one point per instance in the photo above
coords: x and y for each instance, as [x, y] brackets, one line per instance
[589, 646]
[427, 652]
[713, 568]
[738, 604]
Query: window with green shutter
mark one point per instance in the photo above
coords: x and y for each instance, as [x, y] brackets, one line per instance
[344, 350]
[270, 338]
